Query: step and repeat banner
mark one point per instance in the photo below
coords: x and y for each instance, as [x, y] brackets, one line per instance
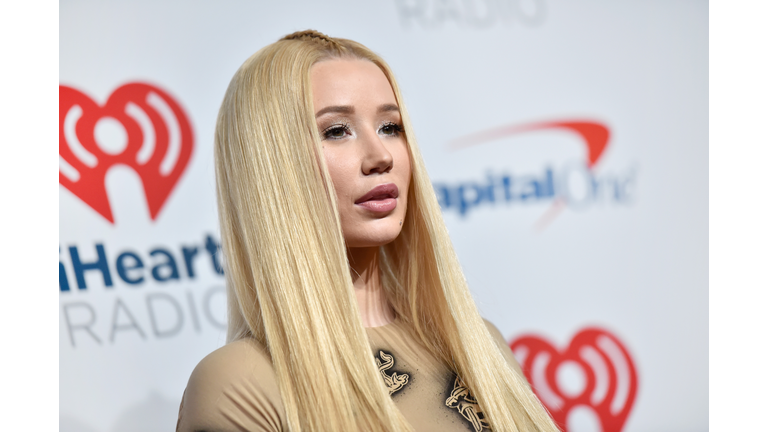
[566, 141]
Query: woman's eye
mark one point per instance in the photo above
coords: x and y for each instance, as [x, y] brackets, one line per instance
[390, 129]
[335, 132]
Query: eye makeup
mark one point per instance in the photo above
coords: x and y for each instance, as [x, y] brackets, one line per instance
[342, 128]
[336, 131]
[391, 129]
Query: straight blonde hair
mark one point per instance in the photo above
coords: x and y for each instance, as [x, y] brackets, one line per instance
[288, 279]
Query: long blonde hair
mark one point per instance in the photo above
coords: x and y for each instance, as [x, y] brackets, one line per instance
[288, 278]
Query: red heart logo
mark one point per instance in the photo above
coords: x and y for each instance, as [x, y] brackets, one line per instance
[605, 376]
[140, 126]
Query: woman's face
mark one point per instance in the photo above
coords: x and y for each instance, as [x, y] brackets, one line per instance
[364, 147]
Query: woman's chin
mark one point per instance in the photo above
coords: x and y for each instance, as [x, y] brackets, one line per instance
[375, 236]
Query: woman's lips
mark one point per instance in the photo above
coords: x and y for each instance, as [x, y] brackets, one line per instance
[381, 199]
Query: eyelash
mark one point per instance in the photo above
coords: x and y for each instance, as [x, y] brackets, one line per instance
[330, 129]
[327, 133]
[397, 128]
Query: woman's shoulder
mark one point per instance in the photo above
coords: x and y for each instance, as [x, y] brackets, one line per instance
[497, 336]
[232, 388]
[503, 347]
[240, 359]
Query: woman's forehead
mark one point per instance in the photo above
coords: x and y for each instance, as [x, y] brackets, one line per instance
[349, 82]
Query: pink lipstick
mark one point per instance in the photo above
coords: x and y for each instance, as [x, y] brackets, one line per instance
[381, 199]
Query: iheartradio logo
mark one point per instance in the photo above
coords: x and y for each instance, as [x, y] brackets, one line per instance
[140, 126]
[594, 377]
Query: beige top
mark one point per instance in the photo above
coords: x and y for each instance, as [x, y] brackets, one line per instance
[235, 388]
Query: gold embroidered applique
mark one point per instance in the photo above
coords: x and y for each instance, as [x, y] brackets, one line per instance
[395, 381]
[466, 404]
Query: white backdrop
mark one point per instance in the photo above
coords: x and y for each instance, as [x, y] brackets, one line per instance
[551, 243]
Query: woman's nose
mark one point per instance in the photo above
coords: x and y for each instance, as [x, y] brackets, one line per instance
[377, 159]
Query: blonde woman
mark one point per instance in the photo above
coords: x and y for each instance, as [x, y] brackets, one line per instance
[348, 310]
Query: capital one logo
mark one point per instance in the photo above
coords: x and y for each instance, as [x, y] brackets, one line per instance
[594, 373]
[139, 126]
[575, 185]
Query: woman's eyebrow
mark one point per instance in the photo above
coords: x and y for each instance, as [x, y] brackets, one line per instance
[387, 108]
[344, 109]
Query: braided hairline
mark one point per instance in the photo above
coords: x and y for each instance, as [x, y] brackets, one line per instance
[313, 35]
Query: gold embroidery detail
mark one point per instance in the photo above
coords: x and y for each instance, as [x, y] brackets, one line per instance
[468, 407]
[393, 382]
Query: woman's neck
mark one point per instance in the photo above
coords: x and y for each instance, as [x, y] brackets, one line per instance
[375, 309]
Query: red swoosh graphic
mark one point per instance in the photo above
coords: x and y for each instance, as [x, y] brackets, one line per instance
[594, 135]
